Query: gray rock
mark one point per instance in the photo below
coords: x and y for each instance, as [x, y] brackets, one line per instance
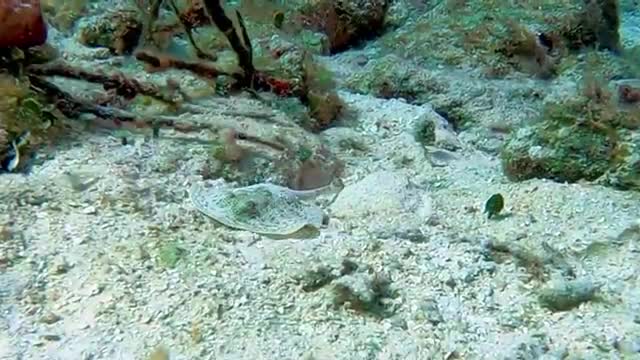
[566, 294]
[383, 195]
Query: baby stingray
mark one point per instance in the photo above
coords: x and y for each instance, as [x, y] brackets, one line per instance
[264, 208]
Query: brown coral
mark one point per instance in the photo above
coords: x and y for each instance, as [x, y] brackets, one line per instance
[596, 24]
[21, 24]
[345, 23]
[528, 52]
[628, 94]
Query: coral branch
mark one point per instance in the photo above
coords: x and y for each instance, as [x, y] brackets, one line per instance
[73, 107]
[248, 78]
[242, 47]
[163, 62]
[123, 86]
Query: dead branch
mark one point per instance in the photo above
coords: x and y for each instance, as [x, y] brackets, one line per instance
[197, 109]
[72, 107]
[241, 46]
[126, 87]
[257, 140]
[248, 78]
[164, 62]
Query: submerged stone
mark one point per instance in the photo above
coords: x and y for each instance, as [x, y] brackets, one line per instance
[566, 295]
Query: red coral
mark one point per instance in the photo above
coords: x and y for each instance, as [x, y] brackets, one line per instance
[21, 24]
[629, 94]
[279, 87]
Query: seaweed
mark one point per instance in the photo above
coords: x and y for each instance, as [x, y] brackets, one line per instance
[64, 13]
[365, 293]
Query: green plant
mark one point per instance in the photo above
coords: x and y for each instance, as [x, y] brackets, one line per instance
[170, 254]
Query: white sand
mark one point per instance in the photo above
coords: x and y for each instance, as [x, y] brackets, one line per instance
[83, 275]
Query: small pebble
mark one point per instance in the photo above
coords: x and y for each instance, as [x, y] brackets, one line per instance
[89, 210]
[50, 318]
[51, 337]
[59, 267]
[160, 353]
[430, 311]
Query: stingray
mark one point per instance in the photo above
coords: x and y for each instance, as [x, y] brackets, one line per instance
[263, 208]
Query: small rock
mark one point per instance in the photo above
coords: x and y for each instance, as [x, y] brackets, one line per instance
[382, 194]
[440, 157]
[5, 233]
[566, 294]
[628, 346]
[89, 210]
[59, 266]
[433, 129]
[363, 292]
[346, 23]
[118, 30]
[82, 239]
[160, 353]
[142, 254]
[317, 277]
[51, 337]
[399, 323]
[430, 311]
[450, 281]
[50, 318]
[553, 150]
[630, 233]
[96, 289]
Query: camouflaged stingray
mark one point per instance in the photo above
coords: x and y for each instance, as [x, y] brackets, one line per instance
[261, 208]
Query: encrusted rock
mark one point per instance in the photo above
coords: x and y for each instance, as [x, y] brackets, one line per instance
[118, 30]
[380, 194]
[567, 294]
[345, 22]
[391, 77]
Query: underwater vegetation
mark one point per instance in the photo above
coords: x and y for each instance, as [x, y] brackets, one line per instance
[589, 135]
[282, 74]
[266, 49]
[63, 14]
[345, 23]
[502, 37]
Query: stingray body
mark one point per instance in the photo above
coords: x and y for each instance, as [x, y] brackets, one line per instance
[264, 208]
